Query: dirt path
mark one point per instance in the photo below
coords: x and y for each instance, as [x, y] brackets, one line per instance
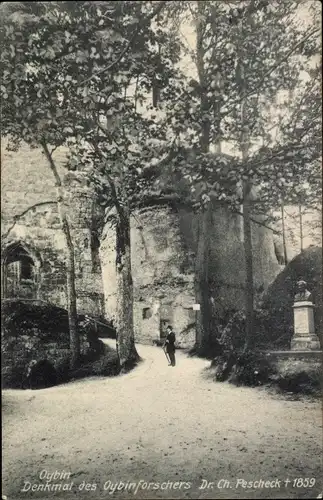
[155, 425]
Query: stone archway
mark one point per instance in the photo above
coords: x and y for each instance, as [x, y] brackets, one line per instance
[20, 272]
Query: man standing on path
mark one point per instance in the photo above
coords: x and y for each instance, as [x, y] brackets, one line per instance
[170, 345]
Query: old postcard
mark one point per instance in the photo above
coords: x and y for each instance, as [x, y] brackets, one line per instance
[161, 249]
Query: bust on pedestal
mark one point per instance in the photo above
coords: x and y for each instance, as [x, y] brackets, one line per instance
[304, 338]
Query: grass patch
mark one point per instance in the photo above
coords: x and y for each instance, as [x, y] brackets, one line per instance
[299, 377]
[254, 369]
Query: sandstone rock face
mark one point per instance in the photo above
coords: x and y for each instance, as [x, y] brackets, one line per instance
[163, 276]
[163, 239]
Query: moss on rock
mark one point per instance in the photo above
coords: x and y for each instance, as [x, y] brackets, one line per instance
[34, 333]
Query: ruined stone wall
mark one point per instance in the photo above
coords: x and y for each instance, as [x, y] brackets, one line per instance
[26, 181]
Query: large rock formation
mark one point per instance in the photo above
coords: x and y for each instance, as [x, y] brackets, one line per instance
[35, 344]
[163, 237]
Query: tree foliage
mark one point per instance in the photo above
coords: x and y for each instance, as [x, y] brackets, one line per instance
[283, 134]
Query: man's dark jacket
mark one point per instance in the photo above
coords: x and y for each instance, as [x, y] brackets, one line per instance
[170, 345]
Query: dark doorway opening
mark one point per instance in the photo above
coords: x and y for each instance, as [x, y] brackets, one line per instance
[18, 273]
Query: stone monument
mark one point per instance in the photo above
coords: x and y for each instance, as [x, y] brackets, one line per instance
[304, 338]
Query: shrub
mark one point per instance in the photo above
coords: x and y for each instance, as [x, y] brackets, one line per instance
[15, 357]
[223, 365]
[46, 321]
[273, 319]
[251, 368]
[62, 369]
[13, 374]
[273, 329]
[234, 333]
[107, 364]
[213, 350]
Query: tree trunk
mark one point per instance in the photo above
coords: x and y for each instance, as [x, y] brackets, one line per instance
[246, 208]
[201, 278]
[284, 233]
[70, 266]
[301, 237]
[202, 263]
[247, 244]
[71, 292]
[201, 284]
[126, 349]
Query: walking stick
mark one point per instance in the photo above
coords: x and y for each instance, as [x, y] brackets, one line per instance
[166, 354]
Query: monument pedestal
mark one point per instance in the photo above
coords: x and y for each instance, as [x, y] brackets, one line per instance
[304, 337]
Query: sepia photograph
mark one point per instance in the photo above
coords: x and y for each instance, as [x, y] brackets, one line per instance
[161, 249]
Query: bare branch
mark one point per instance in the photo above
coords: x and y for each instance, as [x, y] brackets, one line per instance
[258, 222]
[277, 153]
[19, 216]
[114, 195]
[54, 149]
[51, 162]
